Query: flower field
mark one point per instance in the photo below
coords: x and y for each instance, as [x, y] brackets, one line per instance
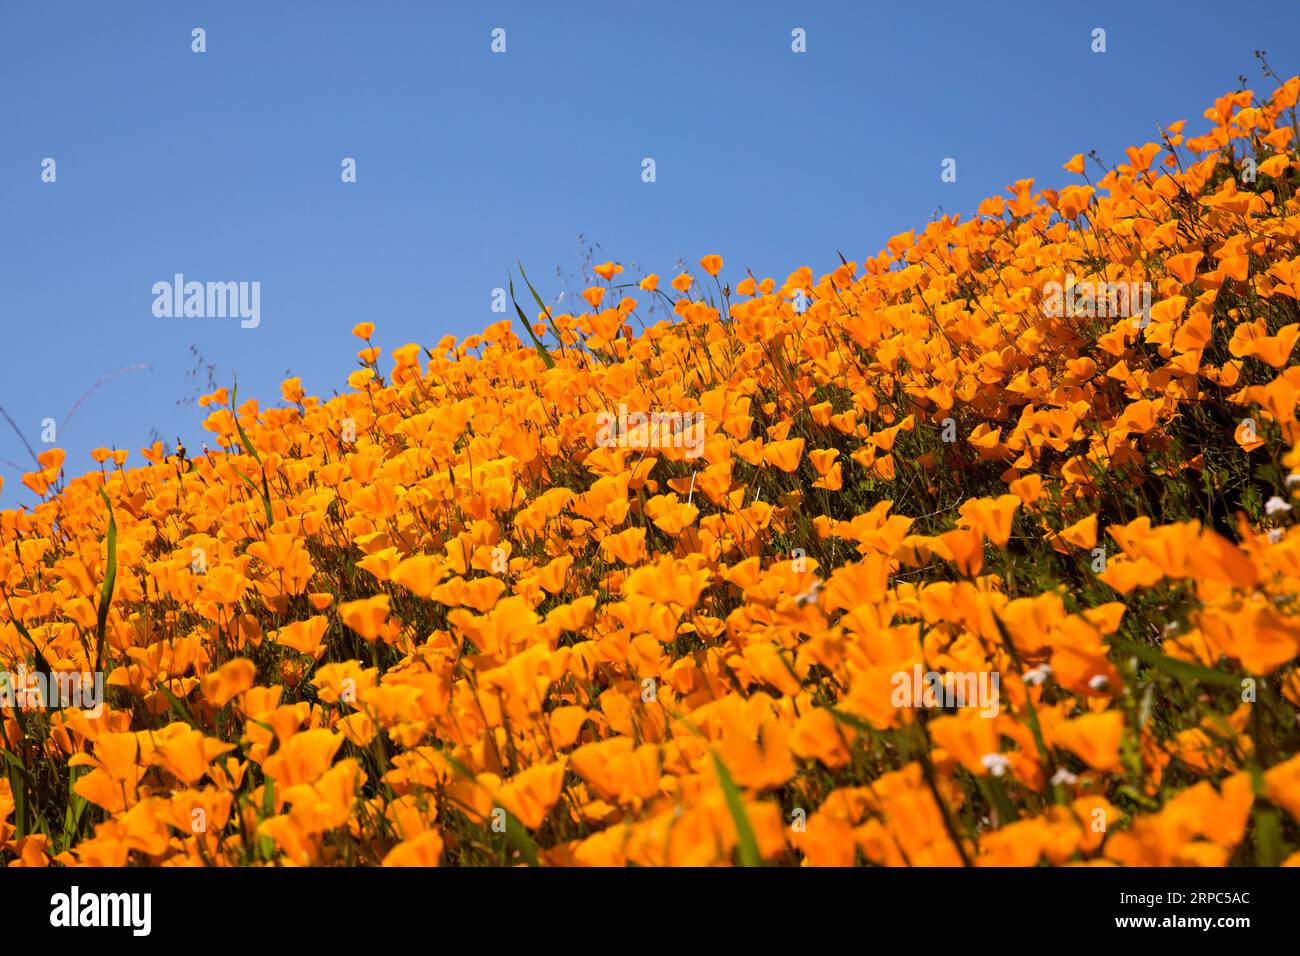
[978, 552]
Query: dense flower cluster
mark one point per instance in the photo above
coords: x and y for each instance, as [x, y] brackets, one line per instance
[700, 592]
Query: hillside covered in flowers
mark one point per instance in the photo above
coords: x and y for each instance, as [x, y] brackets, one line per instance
[979, 551]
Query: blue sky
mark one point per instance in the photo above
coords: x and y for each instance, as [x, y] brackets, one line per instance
[225, 165]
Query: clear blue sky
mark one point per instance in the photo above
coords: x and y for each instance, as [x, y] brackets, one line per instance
[226, 165]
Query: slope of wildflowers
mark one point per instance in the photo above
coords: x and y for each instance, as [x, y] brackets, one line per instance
[477, 611]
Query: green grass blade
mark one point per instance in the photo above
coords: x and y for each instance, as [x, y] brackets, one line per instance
[110, 581]
[516, 832]
[521, 839]
[546, 309]
[243, 435]
[528, 327]
[1184, 670]
[746, 841]
[250, 449]
[179, 707]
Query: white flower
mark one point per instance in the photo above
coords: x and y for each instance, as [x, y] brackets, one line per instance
[1275, 505]
[1063, 776]
[996, 764]
[1274, 535]
[1292, 479]
[1036, 675]
[810, 596]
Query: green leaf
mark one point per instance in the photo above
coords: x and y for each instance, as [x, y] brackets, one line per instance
[76, 803]
[1183, 670]
[248, 447]
[996, 793]
[516, 832]
[17, 784]
[13, 760]
[110, 580]
[1268, 837]
[520, 839]
[1140, 799]
[546, 310]
[179, 706]
[243, 435]
[748, 844]
[857, 723]
[528, 327]
[42, 664]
